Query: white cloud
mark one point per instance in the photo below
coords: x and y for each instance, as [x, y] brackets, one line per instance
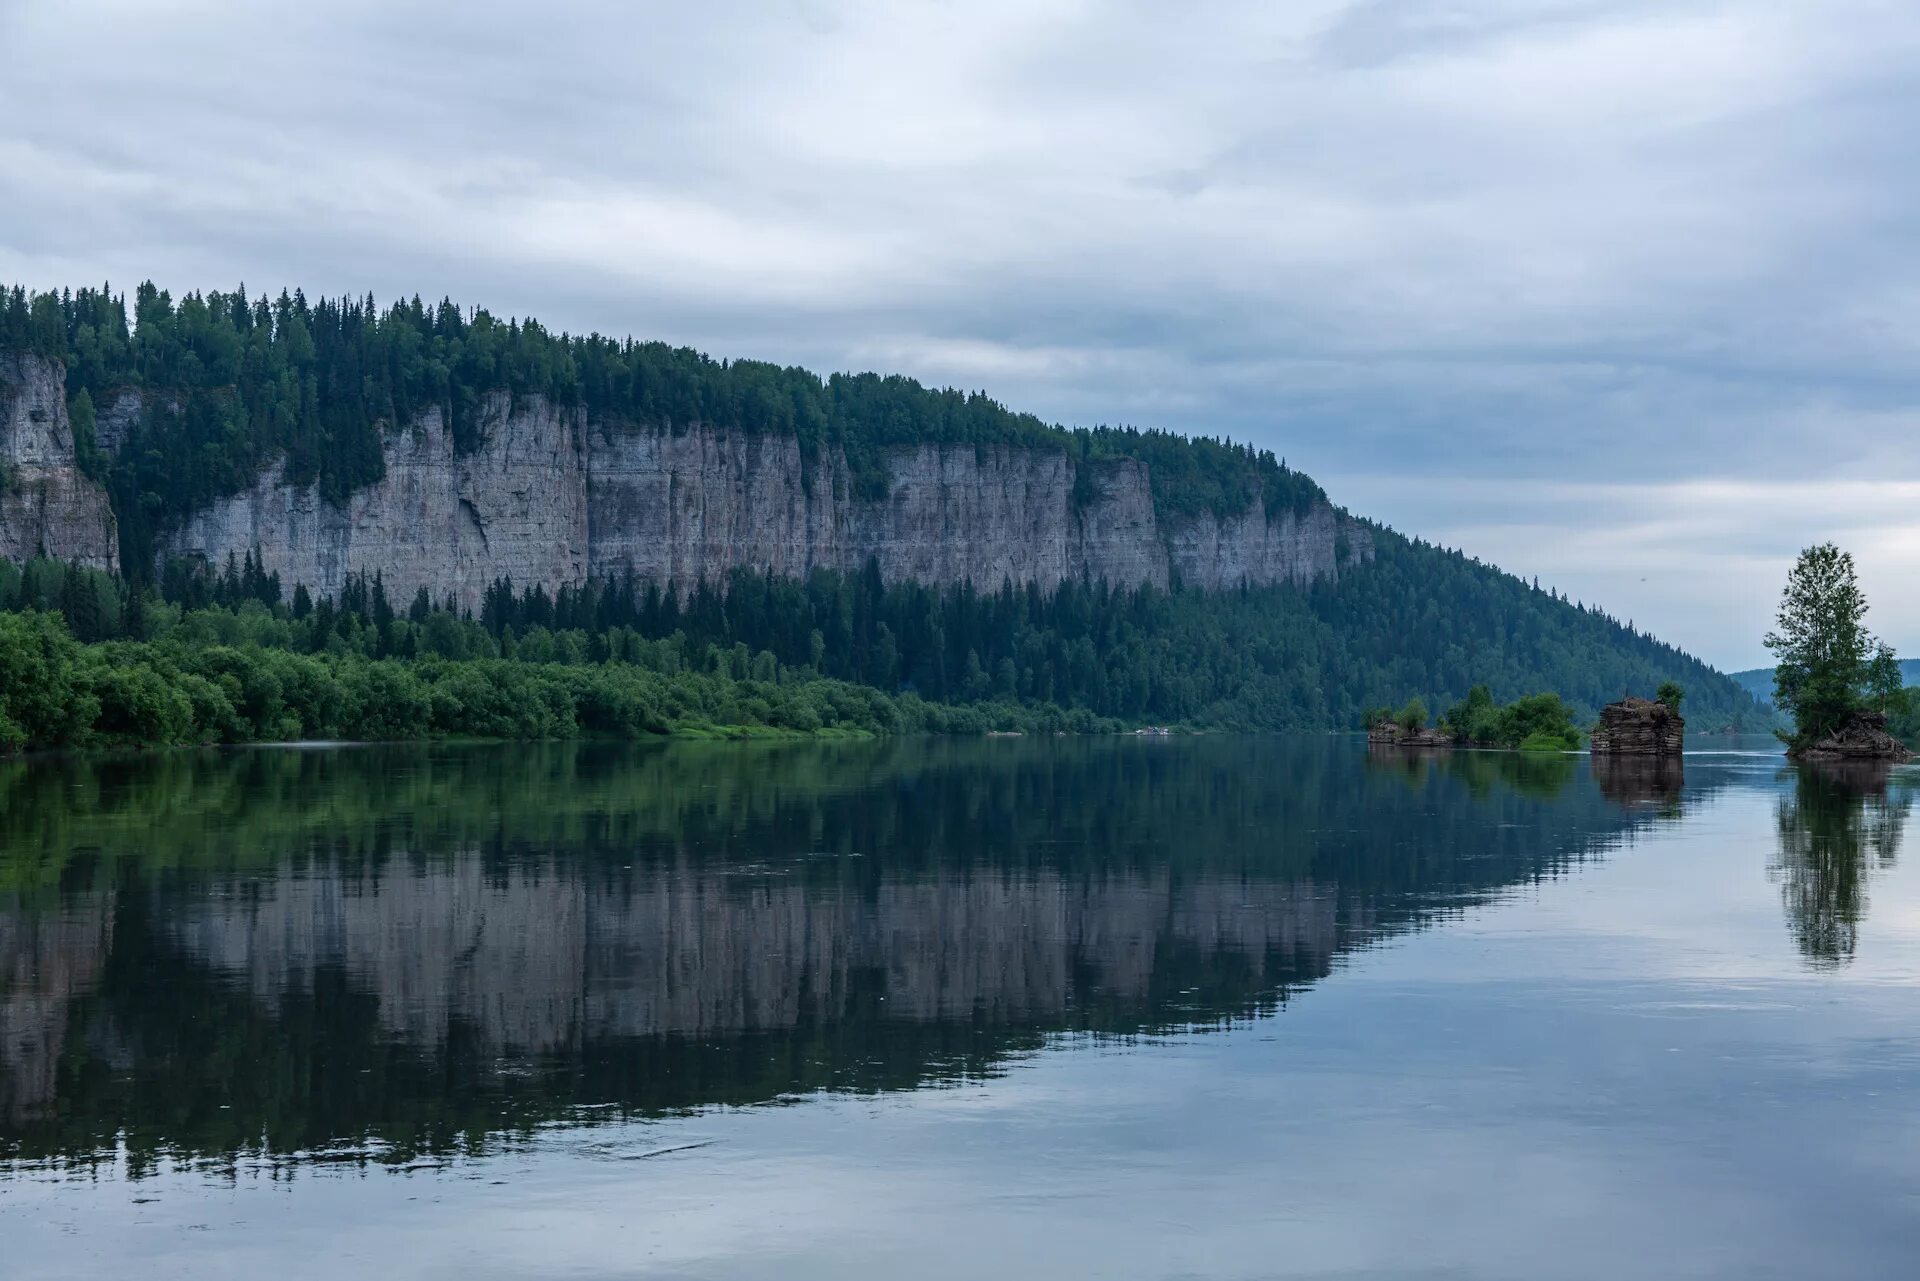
[1588, 240]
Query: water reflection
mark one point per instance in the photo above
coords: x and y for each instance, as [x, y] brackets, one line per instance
[1655, 782]
[1542, 775]
[373, 954]
[1839, 824]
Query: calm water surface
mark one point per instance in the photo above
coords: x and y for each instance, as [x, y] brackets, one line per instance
[1191, 1008]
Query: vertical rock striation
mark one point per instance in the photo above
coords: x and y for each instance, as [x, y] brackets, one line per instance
[550, 497]
[48, 506]
[438, 519]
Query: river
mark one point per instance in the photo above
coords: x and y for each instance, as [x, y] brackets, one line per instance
[1220, 1007]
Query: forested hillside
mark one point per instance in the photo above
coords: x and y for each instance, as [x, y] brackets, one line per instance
[222, 385]
[235, 383]
[1758, 681]
[781, 653]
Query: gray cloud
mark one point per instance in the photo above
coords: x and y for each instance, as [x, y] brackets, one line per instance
[1513, 243]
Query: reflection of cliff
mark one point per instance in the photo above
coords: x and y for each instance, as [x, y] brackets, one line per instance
[455, 943]
[427, 947]
[1837, 827]
[45, 961]
[537, 963]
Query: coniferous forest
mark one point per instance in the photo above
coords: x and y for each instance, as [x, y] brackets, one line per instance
[243, 382]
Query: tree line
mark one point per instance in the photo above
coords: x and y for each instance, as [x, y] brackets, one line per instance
[1276, 658]
[230, 383]
[190, 687]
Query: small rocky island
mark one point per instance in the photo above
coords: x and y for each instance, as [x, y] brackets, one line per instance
[1391, 733]
[1842, 687]
[1862, 737]
[1640, 727]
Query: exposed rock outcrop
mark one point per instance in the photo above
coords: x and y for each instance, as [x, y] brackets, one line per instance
[1394, 734]
[1863, 738]
[48, 506]
[1639, 727]
[449, 522]
[550, 497]
[122, 412]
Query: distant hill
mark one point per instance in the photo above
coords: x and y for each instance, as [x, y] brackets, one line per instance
[1758, 681]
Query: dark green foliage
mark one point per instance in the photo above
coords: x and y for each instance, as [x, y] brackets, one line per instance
[42, 699]
[230, 384]
[1884, 681]
[1827, 669]
[86, 450]
[241, 671]
[1889, 694]
[1538, 722]
[1672, 693]
[1474, 718]
[1903, 716]
[1269, 659]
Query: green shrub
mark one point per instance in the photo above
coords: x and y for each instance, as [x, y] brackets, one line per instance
[1547, 741]
[44, 702]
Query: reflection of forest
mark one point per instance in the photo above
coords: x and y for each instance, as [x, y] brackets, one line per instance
[426, 946]
[1840, 823]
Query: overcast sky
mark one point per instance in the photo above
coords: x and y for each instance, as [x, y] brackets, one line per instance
[1621, 294]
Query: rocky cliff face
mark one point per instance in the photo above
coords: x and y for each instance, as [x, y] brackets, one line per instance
[447, 522]
[675, 507]
[47, 505]
[550, 497]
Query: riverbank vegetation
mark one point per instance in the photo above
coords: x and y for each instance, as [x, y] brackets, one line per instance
[920, 659]
[192, 688]
[1535, 723]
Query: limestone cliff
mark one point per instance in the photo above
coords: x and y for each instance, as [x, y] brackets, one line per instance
[448, 522]
[47, 505]
[550, 497]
